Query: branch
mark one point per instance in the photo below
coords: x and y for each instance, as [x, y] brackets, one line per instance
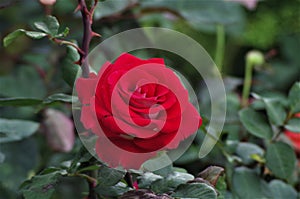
[88, 34]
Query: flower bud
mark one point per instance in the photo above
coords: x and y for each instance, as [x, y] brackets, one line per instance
[59, 130]
[255, 57]
[47, 2]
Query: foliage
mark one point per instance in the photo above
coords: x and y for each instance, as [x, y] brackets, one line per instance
[255, 158]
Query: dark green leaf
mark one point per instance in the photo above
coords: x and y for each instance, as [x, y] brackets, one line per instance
[89, 168]
[171, 182]
[41, 186]
[69, 69]
[293, 125]
[19, 101]
[246, 150]
[166, 171]
[248, 185]
[108, 176]
[281, 159]
[275, 111]
[13, 130]
[294, 98]
[23, 101]
[49, 25]
[195, 190]
[147, 179]
[281, 190]
[112, 191]
[14, 35]
[59, 97]
[255, 123]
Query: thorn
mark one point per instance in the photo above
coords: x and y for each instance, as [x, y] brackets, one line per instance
[77, 8]
[78, 62]
[94, 34]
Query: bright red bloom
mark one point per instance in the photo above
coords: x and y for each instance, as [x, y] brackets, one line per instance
[138, 105]
[294, 137]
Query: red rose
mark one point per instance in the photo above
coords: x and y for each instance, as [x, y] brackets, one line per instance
[136, 107]
[294, 137]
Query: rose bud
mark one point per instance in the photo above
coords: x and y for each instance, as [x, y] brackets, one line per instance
[59, 130]
[136, 108]
[294, 137]
[48, 2]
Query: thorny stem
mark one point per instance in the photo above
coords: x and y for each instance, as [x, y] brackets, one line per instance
[88, 34]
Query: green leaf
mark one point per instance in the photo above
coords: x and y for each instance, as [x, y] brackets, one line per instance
[281, 190]
[147, 179]
[171, 182]
[255, 123]
[41, 186]
[281, 159]
[195, 190]
[293, 125]
[64, 33]
[19, 101]
[248, 185]
[112, 191]
[58, 97]
[275, 111]
[24, 101]
[68, 68]
[13, 130]
[246, 150]
[35, 35]
[89, 168]
[108, 176]
[49, 25]
[294, 98]
[14, 35]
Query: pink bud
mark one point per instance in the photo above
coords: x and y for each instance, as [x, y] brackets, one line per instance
[59, 130]
[47, 2]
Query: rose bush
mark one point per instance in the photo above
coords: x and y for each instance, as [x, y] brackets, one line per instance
[140, 105]
[294, 136]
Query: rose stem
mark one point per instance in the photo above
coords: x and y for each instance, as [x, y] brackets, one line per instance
[247, 84]
[88, 34]
[220, 46]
